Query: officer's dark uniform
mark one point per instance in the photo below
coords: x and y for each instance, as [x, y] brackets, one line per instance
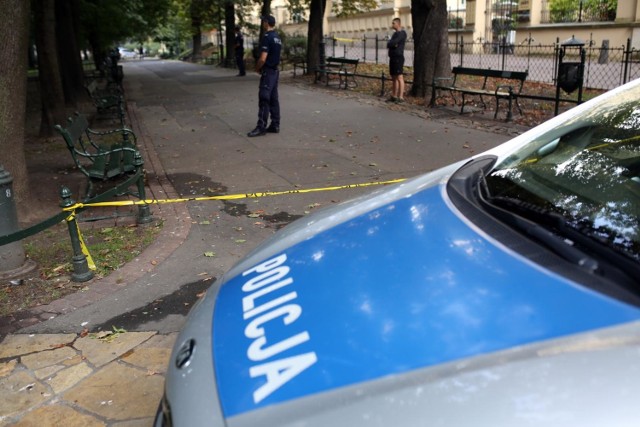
[239, 50]
[268, 104]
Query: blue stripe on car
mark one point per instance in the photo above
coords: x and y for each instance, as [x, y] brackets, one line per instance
[403, 287]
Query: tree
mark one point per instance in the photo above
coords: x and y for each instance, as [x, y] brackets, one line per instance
[430, 35]
[51, 92]
[229, 33]
[14, 34]
[315, 32]
[67, 28]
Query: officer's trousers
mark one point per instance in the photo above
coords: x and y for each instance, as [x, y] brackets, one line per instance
[268, 103]
[240, 61]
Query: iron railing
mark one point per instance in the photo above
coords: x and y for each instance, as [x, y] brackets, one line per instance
[605, 67]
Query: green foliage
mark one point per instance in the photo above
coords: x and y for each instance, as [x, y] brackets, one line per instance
[602, 10]
[107, 23]
[175, 31]
[351, 7]
[563, 10]
[297, 10]
[592, 10]
[294, 48]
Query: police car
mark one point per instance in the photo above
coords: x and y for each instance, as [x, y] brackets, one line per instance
[503, 290]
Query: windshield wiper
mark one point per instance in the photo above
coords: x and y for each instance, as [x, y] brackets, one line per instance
[559, 244]
[554, 231]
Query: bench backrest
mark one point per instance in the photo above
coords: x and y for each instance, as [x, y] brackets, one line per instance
[92, 88]
[347, 61]
[487, 72]
[74, 131]
[99, 161]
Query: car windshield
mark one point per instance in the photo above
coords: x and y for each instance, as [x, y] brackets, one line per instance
[587, 170]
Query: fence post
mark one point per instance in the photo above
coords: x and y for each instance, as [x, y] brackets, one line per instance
[560, 55]
[144, 212]
[461, 50]
[376, 48]
[81, 272]
[364, 48]
[382, 85]
[333, 45]
[627, 58]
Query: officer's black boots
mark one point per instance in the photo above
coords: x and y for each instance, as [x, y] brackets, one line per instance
[256, 132]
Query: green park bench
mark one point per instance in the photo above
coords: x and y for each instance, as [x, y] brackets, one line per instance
[108, 101]
[110, 157]
[344, 68]
[501, 90]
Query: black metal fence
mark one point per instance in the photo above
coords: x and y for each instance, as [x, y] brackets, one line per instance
[605, 67]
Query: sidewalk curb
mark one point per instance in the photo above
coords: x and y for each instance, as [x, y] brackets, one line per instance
[175, 229]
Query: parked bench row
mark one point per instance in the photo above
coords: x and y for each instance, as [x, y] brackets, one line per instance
[498, 84]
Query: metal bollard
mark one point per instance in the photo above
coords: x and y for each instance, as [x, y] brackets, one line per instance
[81, 271]
[12, 257]
[144, 212]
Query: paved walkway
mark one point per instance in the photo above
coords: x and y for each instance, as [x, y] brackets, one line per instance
[71, 362]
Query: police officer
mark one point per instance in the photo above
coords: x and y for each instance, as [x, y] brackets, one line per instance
[267, 67]
[239, 50]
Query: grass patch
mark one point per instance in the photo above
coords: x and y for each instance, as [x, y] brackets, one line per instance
[110, 247]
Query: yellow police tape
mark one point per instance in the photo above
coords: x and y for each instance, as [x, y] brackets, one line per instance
[83, 246]
[85, 250]
[346, 40]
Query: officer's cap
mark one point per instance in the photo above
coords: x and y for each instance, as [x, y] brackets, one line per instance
[269, 20]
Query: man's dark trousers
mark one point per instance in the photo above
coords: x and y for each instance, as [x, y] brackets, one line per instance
[240, 61]
[268, 103]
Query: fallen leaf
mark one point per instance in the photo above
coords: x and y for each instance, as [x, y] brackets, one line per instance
[240, 241]
[209, 254]
[204, 223]
[154, 262]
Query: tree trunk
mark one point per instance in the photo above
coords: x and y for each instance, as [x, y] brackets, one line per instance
[69, 53]
[265, 10]
[430, 35]
[196, 23]
[48, 67]
[230, 33]
[315, 33]
[14, 34]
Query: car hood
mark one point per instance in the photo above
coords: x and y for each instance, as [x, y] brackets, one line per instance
[405, 286]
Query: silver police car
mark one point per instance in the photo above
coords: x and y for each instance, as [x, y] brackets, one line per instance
[503, 290]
